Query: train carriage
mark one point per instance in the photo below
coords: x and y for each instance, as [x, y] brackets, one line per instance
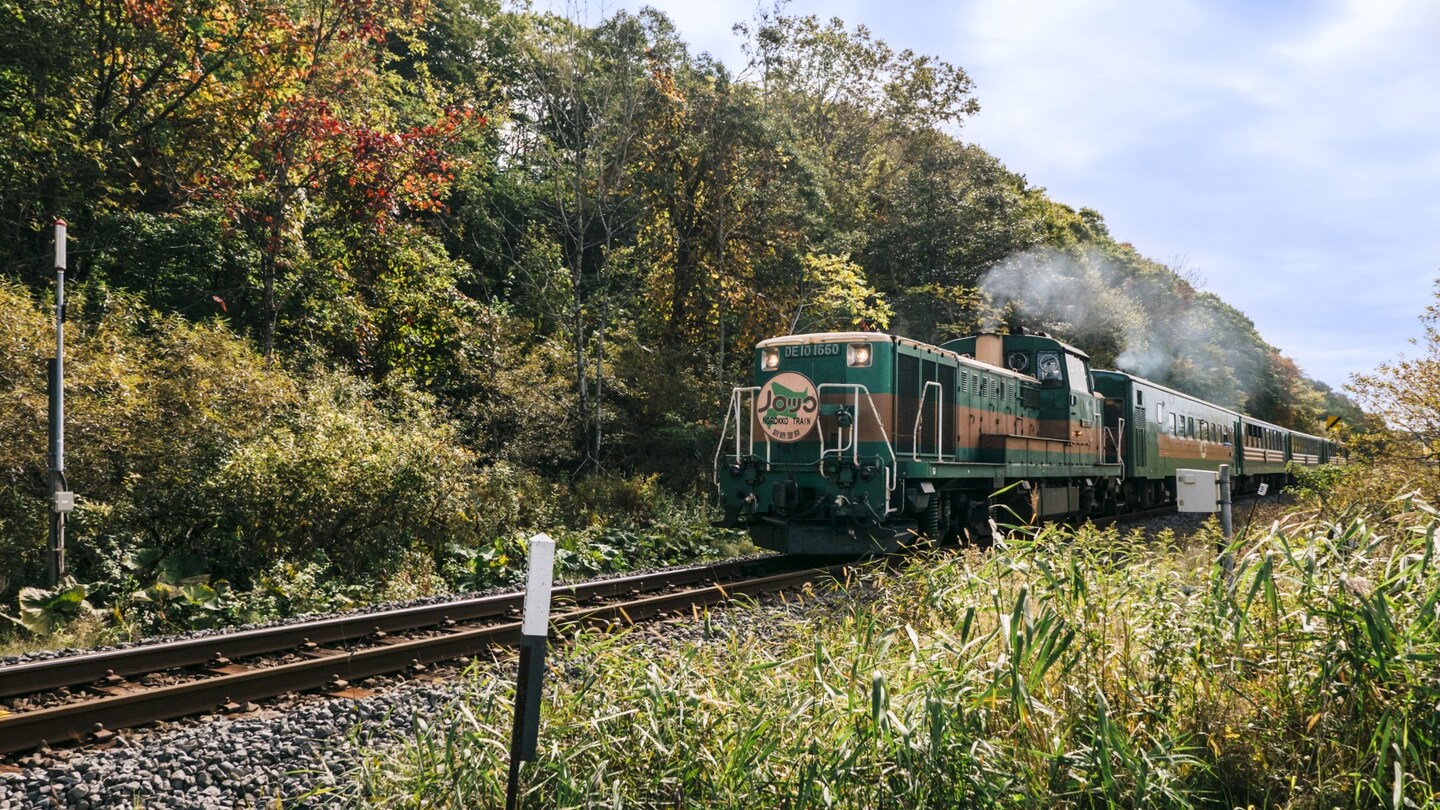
[1165, 431]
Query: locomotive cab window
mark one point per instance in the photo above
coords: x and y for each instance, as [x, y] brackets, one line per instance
[1048, 369]
[1079, 377]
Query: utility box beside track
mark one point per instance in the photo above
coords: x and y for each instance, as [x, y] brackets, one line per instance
[1197, 491]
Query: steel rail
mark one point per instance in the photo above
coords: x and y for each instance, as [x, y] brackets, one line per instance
[32, 729]
[53, 673]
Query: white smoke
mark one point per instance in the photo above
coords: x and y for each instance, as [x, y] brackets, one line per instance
[1159, 327]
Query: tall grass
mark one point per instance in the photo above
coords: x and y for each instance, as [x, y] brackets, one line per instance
[1066, 668]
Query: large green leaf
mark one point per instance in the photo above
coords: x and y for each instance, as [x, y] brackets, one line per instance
[45, 611]
[159, 593]
[141, 559]
[182, 568]
[198, 593]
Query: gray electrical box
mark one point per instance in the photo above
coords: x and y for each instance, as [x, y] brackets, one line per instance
[1197, 490]
[64, 501]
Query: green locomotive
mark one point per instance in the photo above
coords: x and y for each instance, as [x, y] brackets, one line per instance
[852, 442]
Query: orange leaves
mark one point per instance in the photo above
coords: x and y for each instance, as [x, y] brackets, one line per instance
[370, 173]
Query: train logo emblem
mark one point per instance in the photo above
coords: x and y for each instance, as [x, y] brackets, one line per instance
[787, 406]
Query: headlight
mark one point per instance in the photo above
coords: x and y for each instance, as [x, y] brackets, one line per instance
[770, 360]
[859, 355]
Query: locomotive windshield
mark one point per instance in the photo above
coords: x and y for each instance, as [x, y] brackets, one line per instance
[1048, 367]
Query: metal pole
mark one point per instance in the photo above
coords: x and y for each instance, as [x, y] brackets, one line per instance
[1227, 562]
[60, 499]
[534, 628]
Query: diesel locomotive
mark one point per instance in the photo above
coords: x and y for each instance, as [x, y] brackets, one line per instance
[854, 442]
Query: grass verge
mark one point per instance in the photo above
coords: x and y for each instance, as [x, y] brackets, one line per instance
[1068, 668]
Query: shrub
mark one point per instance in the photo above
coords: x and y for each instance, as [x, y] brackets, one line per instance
[336, 473]
[182, 439]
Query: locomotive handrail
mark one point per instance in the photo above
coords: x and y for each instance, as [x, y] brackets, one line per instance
[891, 472]
[736, 395]
[853, 445]
[1117, 437]
[919, 420]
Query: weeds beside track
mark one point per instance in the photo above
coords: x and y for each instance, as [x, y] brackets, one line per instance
[1067, 668]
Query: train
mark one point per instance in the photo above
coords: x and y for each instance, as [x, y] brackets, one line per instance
[861, 442]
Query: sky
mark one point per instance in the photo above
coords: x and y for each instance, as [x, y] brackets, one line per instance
[1286, 153]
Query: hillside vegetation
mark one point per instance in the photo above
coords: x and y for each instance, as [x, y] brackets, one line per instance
[362, 290]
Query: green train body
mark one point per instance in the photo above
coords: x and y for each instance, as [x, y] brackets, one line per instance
[852, 442]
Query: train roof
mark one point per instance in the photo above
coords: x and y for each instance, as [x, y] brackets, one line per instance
[1243, 416]
[1037, 336]
[856, 337]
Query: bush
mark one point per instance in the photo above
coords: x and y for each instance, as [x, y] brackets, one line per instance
[335, 473]
[182, 439]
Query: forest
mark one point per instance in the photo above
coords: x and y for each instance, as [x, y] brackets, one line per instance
[361, 290]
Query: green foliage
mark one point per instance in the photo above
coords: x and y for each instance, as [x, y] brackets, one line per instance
[350, 289]
[183, 442]
[339, 474]
[46, 611]
[1064, 668]
[1404, 396]
[181, 592]
[1327, 486]
[834, 296]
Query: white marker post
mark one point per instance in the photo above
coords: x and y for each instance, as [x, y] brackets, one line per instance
[534, 629]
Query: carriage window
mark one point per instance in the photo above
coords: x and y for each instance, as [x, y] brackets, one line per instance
[1140, 398]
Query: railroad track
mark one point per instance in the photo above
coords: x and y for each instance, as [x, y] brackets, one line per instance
[88, 697]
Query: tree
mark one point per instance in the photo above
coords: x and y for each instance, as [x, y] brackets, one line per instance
[323, 145]
[833, 295]
[719, 218]
[577, 112]
[113, 106]
[1405, 395]
[843, 101]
